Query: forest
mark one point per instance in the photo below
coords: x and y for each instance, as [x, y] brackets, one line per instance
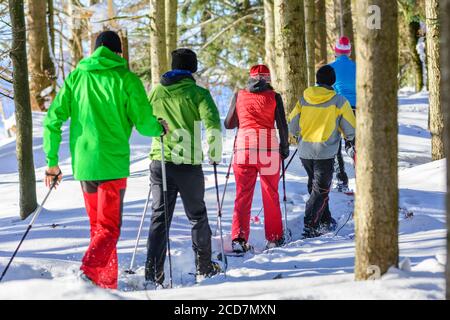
[398, 46]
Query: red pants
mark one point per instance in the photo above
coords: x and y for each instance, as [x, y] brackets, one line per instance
[104, 203]
[245, 175]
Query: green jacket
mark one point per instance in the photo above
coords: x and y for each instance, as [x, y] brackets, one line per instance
[103, 100]
[185, 106]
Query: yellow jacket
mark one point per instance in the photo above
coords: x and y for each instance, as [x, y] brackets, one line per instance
[318, 120]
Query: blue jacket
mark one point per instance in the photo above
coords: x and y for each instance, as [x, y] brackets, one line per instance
[345, 84]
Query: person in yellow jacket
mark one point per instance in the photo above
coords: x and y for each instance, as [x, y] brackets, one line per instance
[318, 121]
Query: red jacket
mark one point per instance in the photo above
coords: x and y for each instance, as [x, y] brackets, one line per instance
[255, 111]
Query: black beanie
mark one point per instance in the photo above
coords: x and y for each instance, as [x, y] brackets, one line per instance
[109, 39]
[184, 59]
[326, 76]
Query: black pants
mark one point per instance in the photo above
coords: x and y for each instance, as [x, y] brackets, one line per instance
[341, 175]
[188, 180]
[320, 176]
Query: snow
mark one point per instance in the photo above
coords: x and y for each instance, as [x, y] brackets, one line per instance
[47, 264]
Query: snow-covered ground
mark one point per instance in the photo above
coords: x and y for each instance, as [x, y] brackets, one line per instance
[47, 263]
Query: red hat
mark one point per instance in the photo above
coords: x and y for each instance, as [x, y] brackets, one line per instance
[343, 46]
[260, 71]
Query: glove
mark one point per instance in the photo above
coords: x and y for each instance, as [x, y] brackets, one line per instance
[350, 149]
[284, 152]
[164, 125]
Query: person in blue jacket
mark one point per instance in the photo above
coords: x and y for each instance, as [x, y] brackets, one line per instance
[345, 85]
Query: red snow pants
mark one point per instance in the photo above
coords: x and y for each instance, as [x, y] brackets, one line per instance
[245, 175]
[104, 203]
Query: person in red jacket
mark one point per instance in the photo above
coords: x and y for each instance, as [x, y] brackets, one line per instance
[255, 111]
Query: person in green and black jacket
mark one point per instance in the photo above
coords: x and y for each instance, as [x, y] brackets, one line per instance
[104, 101]
[185, 106]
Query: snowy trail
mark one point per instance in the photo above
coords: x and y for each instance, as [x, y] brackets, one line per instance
[313, 269]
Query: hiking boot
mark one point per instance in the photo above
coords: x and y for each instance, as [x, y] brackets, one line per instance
[240, 246]
[152, 276]
[310, 233]
[275, 244]
[328, 226]
[151, 285]
[214, 269]
[83, 277]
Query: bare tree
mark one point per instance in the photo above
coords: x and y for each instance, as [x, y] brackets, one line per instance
[310, 25]
[376, 207]
[344, 20]
[24, 122]
[171, 27]
[270, 58]
[76, 43]
[158, 54]
[434, 77]
[321, 33]
[445, 96]
[42, 70]
[290, 48]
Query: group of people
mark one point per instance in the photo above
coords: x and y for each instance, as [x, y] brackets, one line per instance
[104, 100]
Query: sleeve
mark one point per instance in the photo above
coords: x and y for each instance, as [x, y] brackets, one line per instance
[294, 120]
[57, 114]
[211, 120]
[232, 120]
[283, 131]
[347, 123]
[139, 109]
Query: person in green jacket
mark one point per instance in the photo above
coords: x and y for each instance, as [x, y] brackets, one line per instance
[103, 101]
[185, 106]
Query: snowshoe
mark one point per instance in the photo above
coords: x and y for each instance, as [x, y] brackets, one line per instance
[275, 244]
[240, 246]
[151, 285]
[329, 226]
[215, 269]
[84, 278]
[310, 233]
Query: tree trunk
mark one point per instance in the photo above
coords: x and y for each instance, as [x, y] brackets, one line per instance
[310, 36]
[290, 48]
[344, 22]
[158, 54]
[92, 35]
[42, 70]
[376, 207]
[434, 76]
[51, 25]
[171, 27]
[270, 58]
[76, 44]
[321, 33]
[413, 31]
[24, 122]
[445, 89]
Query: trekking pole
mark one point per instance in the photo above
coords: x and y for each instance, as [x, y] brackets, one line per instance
[36, 215]
[219, 221]
[144, 213]
[287, 166]
[166, 203]
[226, 183]
[286, 229]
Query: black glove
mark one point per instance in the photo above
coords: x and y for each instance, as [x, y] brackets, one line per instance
[284, 152]
[350, 148]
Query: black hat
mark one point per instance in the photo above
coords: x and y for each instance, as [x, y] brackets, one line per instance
[326, 75]
[184, 59]
[109, 39]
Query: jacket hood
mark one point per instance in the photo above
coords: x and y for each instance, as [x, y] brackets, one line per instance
[319, 95]
[257, 85]
[175, 76]
[102, 59]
